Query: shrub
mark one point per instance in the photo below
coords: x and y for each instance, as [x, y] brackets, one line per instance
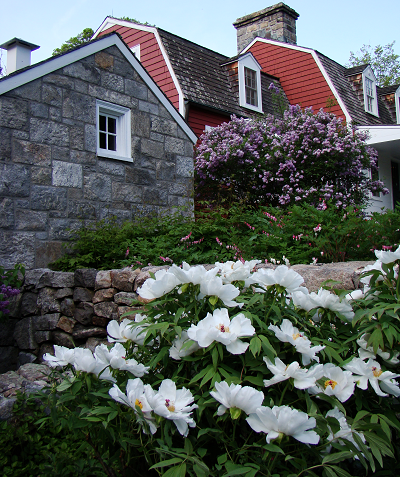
[301, 233]
[243, 373]
[304, 157]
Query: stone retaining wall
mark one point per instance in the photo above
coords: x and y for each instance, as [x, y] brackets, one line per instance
[73, 308]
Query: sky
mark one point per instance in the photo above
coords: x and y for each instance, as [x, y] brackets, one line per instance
[332, 27]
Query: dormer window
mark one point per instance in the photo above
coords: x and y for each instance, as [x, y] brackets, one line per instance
[397, 102]
[370, 96]
[250, 83]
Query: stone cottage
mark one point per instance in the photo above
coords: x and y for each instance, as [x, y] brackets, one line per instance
[83, 136]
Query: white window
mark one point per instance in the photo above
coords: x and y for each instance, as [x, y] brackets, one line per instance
[250, 83]
[370, 96]
[113, 131]
[136, 51]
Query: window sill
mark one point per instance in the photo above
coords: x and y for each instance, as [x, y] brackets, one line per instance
[110, 155]
[252, 108]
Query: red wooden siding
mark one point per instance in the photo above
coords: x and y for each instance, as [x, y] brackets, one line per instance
[150, 57]
[200, 118]
[299, 75]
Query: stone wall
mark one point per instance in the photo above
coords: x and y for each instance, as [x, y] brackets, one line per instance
[73, 309]
[51, 178]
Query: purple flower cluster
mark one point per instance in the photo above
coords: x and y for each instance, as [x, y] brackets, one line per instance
[6, 291]
[280, 161]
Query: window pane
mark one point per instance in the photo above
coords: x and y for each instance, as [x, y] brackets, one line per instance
[103, 123]
[112, 143]
[112, 125]
[250, 80]
[103, 141]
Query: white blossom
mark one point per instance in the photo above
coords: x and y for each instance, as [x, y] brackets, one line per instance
[245, 398]
[231, 271]
[370, 372]
[124, 331]
[385, 256]
[302, 378]
[188, 274]
[282, 276]
[62, 356]
[215, 287]
[219, 327]
[181, 348]
[174, 404]
[337, 383]
[116, 358]
[366, 351]
[163, 283]
[345, 431]
[284, 420]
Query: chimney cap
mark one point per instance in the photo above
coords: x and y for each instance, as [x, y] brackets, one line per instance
[17, 41]
[279, 7]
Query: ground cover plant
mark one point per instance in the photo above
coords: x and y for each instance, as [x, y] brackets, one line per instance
[237, 371]
[300, 157]
[301, 233]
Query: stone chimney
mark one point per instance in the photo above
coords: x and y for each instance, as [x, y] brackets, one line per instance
[274, 23]
[18, 54]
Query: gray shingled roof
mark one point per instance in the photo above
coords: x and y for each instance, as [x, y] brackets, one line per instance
[355, 69]
[339, 77]
[388, 89]
[204, 81]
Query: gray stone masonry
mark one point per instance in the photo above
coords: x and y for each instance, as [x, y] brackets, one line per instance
[74, 309]
[277, 22]
[51, 179]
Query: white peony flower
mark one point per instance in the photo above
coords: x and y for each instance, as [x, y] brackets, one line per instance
[302, 378]
[215, 287]
[135, 397]
[371, 372]
[116, 358]
[218, 327]
[245, 398]
[163, 283]
[124, 331]
[179, 350]
[366, 352]
[231, 271]
[195, 275]
[345, 431]
[387, 256]
[290, 334]
[284, 420]
[62, 356]
[173, 404]
[339, 383]
[323, 299]
[282, 276]
[376, 266]
[355, 295]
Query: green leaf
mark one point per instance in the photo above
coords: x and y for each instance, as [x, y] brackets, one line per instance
[209, 375]
[201, 374]
[64, 385]
[178, 471]
[340, 472]
[337, 457]
[166, 463]
[273, 448]
[258, 381]
[255, 346]
[213, 300]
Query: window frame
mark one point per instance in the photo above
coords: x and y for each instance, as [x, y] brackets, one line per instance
[248, 62]
[397, 102]
[136, 50]
[369, 77]
[123, 130]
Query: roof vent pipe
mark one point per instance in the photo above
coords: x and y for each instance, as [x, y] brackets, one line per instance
[18, 54]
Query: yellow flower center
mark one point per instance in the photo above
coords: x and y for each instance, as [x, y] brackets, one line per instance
[138, 403]
[331, 383]
[376, 372]
[297, 335]
[170, 406]
[223, 328]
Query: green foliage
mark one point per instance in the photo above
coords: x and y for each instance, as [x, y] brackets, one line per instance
[383, 60]
[31, 445]
[75, 41]
[248, 233]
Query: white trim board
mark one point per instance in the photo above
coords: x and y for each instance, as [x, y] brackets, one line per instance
[53, 64]
[313, 53]
[110, 22]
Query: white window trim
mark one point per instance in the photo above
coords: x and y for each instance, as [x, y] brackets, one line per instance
[397, 102]
[123, 115]
[136, 51]
[208, 128]
[248, 61]
[368, 73]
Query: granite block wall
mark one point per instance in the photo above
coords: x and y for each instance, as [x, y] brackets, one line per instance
[51, 179]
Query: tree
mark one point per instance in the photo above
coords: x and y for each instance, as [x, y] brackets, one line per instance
[75, 41]
[383, 60]
[301, 157]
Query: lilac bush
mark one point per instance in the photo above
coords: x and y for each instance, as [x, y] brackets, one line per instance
[10, 281]
[300, 157]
